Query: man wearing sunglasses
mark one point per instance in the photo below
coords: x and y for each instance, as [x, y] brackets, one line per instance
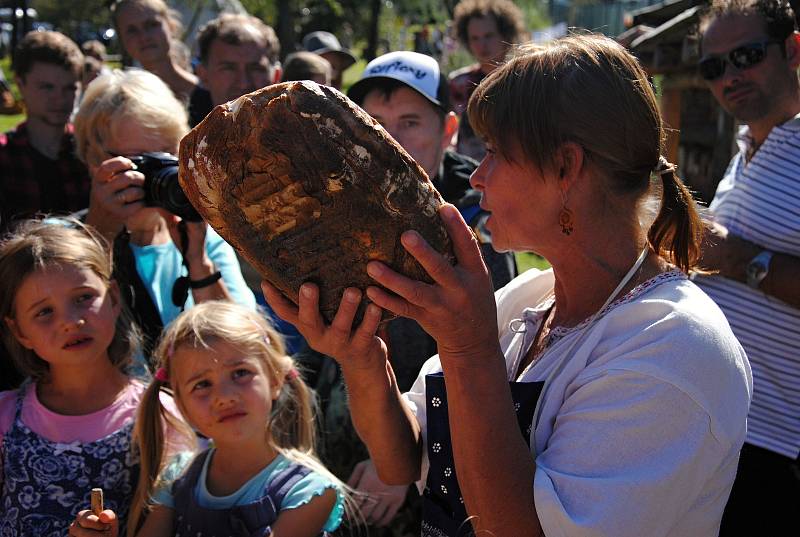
[749, 58]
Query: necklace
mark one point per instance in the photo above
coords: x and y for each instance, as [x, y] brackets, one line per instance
[539, 343]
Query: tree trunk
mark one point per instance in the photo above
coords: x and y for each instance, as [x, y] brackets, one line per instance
[285, 28]
[374, 22]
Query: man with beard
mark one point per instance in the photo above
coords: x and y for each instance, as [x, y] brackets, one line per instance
[39, 171]
[750, 54]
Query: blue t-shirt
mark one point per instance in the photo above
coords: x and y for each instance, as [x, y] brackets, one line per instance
[159, 265]
[313, 484]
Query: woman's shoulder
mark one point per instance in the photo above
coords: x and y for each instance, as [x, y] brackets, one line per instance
[672, 299]
[673, 333]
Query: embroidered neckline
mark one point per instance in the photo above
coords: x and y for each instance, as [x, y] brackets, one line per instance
[558, 332]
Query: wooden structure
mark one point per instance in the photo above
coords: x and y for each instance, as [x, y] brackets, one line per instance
[701, 135]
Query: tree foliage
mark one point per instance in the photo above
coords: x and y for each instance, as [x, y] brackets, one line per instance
[79, 19]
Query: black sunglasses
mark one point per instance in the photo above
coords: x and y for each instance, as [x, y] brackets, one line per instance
[742, 57]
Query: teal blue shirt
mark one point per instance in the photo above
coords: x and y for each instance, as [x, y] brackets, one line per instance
[159, 265]
[313, 484]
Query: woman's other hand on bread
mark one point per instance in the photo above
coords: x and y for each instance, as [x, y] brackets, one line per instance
[354, 348]
[458, 309]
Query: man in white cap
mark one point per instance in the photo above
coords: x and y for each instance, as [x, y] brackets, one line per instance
[409, 96]
[327, 45]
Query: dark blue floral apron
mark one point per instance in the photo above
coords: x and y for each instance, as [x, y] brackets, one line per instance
[444, 514]
[46, 483]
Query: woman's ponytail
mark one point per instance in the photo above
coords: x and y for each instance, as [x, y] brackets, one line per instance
[677, 232]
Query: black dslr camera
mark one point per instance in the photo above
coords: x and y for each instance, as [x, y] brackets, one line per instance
[161, 187]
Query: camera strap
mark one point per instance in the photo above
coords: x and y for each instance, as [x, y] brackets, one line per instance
[180, 289]
[135, 293]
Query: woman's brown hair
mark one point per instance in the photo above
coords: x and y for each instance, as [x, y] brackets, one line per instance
[588, 90]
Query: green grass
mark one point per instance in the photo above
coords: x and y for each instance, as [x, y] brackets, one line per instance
[8, 122]
[527, 260]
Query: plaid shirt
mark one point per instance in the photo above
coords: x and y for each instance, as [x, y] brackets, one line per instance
[31, 183]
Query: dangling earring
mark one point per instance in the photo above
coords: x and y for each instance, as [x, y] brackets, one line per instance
[565, 217]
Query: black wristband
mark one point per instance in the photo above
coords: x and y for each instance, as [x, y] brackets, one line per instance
[205, 282]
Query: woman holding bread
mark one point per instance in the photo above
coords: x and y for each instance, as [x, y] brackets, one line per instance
[606, 396]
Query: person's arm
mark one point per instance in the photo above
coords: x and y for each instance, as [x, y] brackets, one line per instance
[227, 263]
[730, 254]
[382, 419]
[199, 264]
[459, 312]
[381, 502]
[306, 520]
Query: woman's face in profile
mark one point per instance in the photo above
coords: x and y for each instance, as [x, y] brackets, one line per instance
[144, 33]
[523, 204]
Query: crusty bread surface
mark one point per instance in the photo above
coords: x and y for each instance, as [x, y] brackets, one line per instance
[307, 187]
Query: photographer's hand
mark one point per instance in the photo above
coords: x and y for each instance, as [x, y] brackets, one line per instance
[195, 256]
[116, 195]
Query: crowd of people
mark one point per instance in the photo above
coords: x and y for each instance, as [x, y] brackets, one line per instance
[648, 383]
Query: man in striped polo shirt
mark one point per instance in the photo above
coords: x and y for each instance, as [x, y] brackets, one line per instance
[750, 54]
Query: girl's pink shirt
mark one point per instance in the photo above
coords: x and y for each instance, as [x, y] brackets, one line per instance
[66, 429]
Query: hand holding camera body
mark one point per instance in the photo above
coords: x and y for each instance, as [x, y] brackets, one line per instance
[161, 185]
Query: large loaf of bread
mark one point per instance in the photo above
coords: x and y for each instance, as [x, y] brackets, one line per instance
[307, 187]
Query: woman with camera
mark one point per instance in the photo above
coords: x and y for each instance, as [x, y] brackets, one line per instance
[164, 263]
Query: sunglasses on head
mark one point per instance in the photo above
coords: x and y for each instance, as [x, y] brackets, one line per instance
[742, 57]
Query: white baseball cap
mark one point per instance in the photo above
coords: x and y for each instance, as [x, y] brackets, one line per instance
[417, 71]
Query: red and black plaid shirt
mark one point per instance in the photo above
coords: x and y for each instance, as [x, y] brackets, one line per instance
[31, 183]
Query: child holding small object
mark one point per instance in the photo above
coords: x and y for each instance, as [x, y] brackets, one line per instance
[68, 428]
[234, 383]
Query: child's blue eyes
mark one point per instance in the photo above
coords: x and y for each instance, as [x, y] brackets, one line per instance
[237, 374]
[84, 297]
[200, 385]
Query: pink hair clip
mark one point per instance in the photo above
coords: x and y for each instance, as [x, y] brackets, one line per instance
[162, 375]
[292, 374]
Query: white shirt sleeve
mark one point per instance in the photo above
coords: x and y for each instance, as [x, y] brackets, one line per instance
[622, 443]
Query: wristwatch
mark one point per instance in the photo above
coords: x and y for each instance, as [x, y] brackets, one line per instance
[758, 268]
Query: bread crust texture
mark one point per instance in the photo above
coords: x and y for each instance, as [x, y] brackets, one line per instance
[306, 186]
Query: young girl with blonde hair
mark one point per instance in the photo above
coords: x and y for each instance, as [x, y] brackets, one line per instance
[233, 382]
[68, 428]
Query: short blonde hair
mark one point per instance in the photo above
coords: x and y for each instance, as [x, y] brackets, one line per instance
[131, 95]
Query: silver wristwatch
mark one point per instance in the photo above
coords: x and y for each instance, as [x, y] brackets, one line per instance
[758, 268]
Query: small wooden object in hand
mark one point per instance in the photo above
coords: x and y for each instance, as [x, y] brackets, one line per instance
[97, 501]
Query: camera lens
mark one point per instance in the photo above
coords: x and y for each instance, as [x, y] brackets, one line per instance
[166, 192]
[161, 185]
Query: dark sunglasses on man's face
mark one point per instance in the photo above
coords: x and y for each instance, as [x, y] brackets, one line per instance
[743, 57]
